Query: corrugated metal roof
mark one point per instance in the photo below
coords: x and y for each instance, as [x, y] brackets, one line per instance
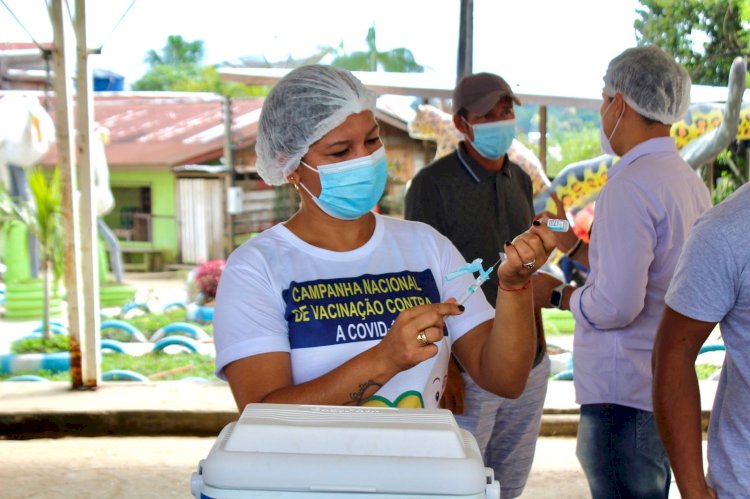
[169, 129]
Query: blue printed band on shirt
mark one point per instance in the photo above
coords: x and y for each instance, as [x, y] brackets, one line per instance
[337, 311]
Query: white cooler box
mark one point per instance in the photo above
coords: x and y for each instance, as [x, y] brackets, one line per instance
[313, 451]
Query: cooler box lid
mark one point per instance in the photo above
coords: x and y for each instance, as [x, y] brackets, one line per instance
[311, 448]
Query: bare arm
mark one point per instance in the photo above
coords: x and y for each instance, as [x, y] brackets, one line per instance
[498, 354]
[268, 377]
[677, 405]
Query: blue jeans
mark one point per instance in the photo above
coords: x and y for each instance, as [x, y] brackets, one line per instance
[621, 453]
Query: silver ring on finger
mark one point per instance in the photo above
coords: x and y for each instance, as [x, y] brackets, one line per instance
[422, 338]
[529, 265]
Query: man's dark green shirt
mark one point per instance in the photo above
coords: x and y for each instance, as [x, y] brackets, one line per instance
[478, 210]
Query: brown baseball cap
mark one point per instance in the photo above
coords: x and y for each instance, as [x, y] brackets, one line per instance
[479, 92]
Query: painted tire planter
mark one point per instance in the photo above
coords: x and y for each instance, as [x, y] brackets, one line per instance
[564, 376]
[55, 327]
[27, 377]
[200, 313]
[112, 345]
[25, 300]
[135, 334]
[123, 375]
[32, 362]
[194, 311]
[184, 328]
[143, 307]
[181, 341]
[176, 304]
[561, 363]
[713, 347]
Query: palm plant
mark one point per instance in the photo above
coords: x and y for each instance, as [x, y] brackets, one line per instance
[42, 217]
[398, 60]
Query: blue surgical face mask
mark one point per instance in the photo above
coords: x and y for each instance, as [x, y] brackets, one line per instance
[603, 139]
[493, 139]
[351, 188]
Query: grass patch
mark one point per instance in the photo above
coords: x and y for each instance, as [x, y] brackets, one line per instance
[157, 366]
[58, 343]
[149, 323]
[558, 322]
[704, 371]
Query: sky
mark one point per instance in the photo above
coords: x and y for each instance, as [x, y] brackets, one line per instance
[525, 41]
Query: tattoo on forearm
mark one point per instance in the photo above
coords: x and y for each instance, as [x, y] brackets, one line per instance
[356, 398]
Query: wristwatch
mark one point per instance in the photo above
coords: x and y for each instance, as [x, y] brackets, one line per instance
[557, 295]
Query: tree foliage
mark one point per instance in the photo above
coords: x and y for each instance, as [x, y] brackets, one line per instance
[703, 35]
[176, 52]
[179, 68]
[398, 60]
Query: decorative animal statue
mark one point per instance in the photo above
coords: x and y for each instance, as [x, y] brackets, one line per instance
[27, 132]
[432, 123]
[706, 130]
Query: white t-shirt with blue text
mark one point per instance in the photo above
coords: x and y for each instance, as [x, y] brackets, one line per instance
[281, 294]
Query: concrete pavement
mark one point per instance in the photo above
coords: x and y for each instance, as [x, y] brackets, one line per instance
[161, 467]
[145, 439]
[46, 409]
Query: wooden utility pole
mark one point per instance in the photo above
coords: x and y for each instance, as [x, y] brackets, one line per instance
[90, 339]
[76, 265]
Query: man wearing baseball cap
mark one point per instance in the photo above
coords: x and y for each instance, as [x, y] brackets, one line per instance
[479, 199]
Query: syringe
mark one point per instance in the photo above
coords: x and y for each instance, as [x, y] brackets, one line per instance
[481, 278]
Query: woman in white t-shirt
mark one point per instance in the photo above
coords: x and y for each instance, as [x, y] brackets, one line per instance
[342, 306]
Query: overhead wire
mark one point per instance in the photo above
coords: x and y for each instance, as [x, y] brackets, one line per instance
[106, 39]
[33, 40]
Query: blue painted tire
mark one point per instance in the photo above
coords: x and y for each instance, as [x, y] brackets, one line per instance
[184, 328]
[133, 306]
[55, 326]
[135, 334]
[176, 304]
[564, 376]
[33, 362]
[205, 314]
[27, 377]
[114, 345]
[176, 340]
[716, 347]
[123, 375]
[56, 362]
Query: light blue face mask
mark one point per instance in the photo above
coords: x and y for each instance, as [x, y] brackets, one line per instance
[351, 188]
[493, 139]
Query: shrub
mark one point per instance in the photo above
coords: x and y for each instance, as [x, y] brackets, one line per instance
[207, 278]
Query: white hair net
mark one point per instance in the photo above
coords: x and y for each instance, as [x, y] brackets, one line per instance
[305, 105]
[651, 82]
